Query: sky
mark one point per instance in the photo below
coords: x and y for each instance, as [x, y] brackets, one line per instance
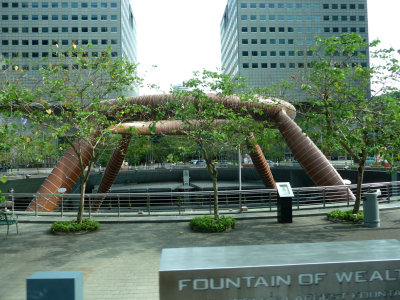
[177, 37]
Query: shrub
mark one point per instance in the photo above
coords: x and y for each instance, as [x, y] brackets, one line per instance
[209, 224]
[72, 226]
[347, 215]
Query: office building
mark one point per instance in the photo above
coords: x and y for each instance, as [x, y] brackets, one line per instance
[266, 41]
[31, 29]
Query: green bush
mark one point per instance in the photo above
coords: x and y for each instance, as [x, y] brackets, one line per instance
[72, 226]
[347, 215]
[209, 224]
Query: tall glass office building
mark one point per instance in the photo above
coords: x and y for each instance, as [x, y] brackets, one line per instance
[266, 41]
[30, 29]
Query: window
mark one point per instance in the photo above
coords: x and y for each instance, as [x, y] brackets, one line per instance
[344, 29]
[103, 4]
[263, 29]
[352, 6]
[245, 53]
[45, 17]
[84, 17]
[291, 53]
[343, 6]
[253, 29]
[335, 29]
[317, 18]
[4, 29]
[292, 65]
[64, 4]
[64, 42]
[326, 18]
[254, 41]
[245, 41]
[4, 17]
[45, 4]
[281, 29]
[25, 5]
[45, 29]
[94, 5]
[289, 5]
[344, 18]
[113, 17]
[14, 17]
[104, 29]
[114, 42]
[263, 41]
[271, 5]
[326, 6]
[54, 17]
[264, 65]
[272, 41]
[85, 29]
[335, 6]
[4, 4]
[263, 17]
[262, 5]
[95, 29]
[272, 29]
[74, 17]
[272, 53]
[290, 29]
[327, 29]
[253, 5]
[95, 42]
[282, 65]
[14, 30]
[290, 41]
[254, 65]
[362, 29]
[299, 18]
[254, 53]
[282, 53]
[245, 66]
[253, 17]
[353, 18]
[298, 6]
[35, 17]
[290, 18]
[353, 29]
[35, 29]
[84, 5]
[45, 42]
[114, 54]
[74, 5]
[272, 18]
[74, 29]
[300, 53]
[243, 5]
[25, 54]
[243, 17]
[64, 17]
[263, 53]
[361, 18]
[25, 29]
[113, 5]
[273, 65]
[104, 17]
[14, 5]
[282, 41]
[64, 29]
[361, 6]
[114, 29]
[300, 65]
[15, 42]
[45, 54]
[35, 54]
[281, 5]
[244, 29]
[54, 4]
[54, 42]
[281, 18]
[85, 42]
[4, 42]
[94, 18]
[53, 29]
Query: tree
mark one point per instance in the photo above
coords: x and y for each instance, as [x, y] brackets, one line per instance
[69, 104]
[343, 110]
[211, 124]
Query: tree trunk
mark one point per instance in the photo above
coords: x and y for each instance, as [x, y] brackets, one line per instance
[212, 169]
[81, 202]
[360, 180]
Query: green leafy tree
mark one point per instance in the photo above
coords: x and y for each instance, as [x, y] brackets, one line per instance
[343, 110]
[69, 104]
[211, 124]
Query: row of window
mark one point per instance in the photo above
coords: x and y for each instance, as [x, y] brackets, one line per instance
[58, 42]
[59, 5]
[60, 29]
[299, 18]
[289, 41]
[263, 29]
[301, 6]
[282, 53]
[60, 17]
[283, 65]
[17, 55]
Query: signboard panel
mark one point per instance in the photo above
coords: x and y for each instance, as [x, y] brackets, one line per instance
[315, 271]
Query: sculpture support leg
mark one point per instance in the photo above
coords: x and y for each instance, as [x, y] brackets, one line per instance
[314, 162]
[112, 169]
[64, 175]
[260, 163]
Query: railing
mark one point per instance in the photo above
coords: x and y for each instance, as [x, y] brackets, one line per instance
[201, 202]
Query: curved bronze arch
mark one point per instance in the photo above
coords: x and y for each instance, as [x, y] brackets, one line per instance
[279, 112]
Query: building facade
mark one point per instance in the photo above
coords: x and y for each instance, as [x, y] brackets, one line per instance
[31, 30]
[266, 41]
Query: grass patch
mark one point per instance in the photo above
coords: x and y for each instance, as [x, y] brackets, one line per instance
[208, 224]
[72, 226]
[347, 215]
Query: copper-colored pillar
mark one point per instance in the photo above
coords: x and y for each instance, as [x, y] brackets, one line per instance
[313, 161]
[64, 175]
[112, 169]
[260, 163]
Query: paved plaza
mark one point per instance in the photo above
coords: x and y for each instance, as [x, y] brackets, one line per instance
[121, 260]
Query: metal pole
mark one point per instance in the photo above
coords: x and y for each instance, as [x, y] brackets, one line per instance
[323, 192]
[298, 200]
[119, 207]
[240, 179]
[90, 208]
[62, 206]
[36, 206]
